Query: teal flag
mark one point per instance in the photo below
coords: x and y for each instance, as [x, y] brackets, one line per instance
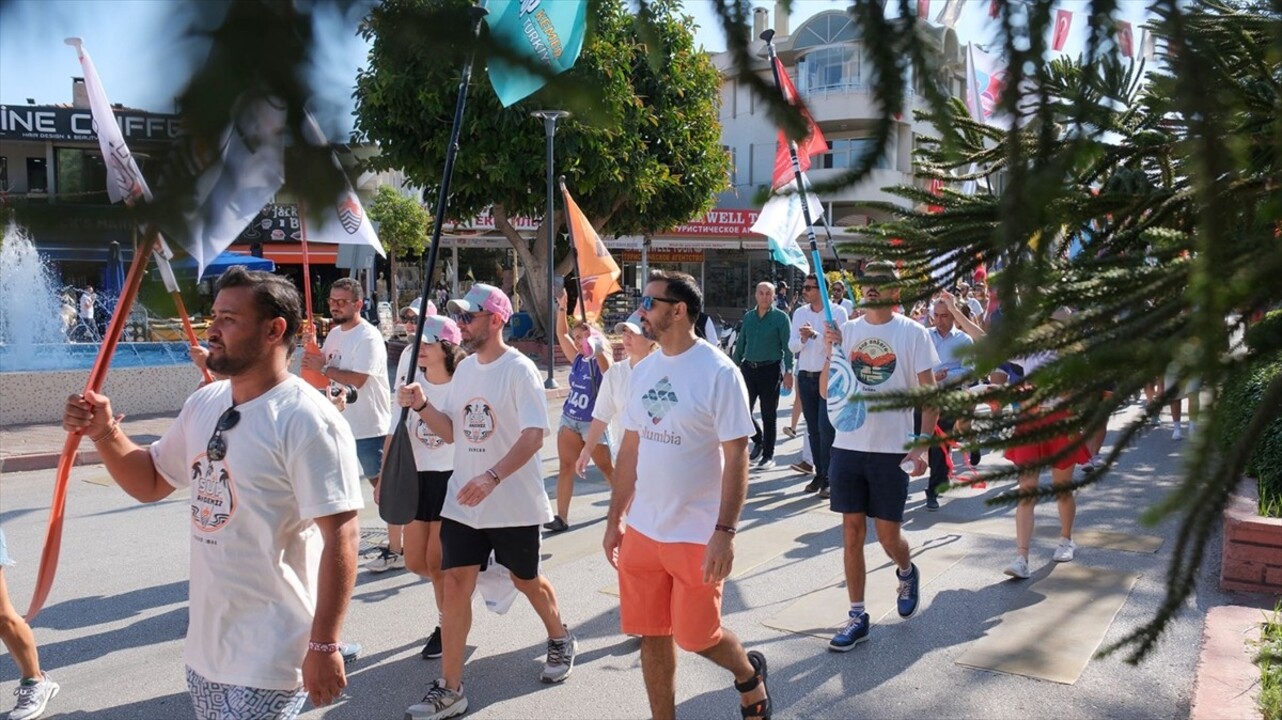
[548, 32]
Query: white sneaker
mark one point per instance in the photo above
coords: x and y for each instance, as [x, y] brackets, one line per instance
[1019, 568]
[439, 703]
[32, 698]
[560, 659]
[1177, 434]
[386, 560]
[1064, 553]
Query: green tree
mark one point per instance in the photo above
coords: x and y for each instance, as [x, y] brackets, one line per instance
[403, 226]
[641, 153]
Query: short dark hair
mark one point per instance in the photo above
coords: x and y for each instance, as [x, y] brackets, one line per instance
[274, 297]
[682, 288]
[350, 286]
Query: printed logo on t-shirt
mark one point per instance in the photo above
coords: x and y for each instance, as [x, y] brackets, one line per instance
[424, 435]
[213, 501]
[478, 421]
[659, 400]
[873, 361]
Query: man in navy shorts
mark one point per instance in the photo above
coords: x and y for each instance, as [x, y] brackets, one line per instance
[888, 353]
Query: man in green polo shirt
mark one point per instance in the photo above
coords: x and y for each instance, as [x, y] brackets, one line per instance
[761, 352]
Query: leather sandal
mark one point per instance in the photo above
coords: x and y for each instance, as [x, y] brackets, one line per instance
[761, 708]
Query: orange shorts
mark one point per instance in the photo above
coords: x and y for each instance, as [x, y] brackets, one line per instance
[662, 592]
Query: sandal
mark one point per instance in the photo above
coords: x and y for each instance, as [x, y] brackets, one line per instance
[761, 708]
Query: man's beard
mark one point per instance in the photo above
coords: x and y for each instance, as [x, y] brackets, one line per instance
[476, 340]
[230, 364]
[339, 318]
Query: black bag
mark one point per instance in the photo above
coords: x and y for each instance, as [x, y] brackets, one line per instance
[398, 485]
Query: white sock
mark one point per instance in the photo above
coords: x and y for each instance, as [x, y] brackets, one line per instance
[857, 608]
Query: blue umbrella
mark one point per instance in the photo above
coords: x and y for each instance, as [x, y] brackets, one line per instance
[224, 262]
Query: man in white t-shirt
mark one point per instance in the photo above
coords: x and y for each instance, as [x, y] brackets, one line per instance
[681, 481]
[496, 415]
[807, 345]
[355, 355]
[274, 487]
[888, 353]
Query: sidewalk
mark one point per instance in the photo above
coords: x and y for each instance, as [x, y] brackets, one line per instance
[39, 446]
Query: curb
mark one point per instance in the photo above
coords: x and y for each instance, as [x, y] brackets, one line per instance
[1225, 681]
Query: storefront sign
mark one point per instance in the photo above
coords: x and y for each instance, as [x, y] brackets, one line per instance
[46, 122]
[485, 221]
[726, 223]
[664, 256]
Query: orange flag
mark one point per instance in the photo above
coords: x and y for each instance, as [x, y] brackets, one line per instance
[598, 272]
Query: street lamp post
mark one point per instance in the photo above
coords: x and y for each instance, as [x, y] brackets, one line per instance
[549, 128]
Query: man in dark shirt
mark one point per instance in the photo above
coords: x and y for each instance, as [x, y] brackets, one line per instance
[761, 352]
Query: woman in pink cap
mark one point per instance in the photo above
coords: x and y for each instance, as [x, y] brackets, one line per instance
[439, 354]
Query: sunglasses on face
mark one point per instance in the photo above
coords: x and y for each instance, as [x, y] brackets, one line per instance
[467, 317]
[648, 301]
[809, 287]
[217, 447]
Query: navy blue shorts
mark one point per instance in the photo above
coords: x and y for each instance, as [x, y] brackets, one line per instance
[868, 483]
[369, 451]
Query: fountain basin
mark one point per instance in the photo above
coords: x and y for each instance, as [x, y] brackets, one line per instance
[28, 397]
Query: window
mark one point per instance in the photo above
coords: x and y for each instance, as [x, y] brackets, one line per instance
[734, 167]
[37, 177]
[826, 29]
[4, 174]
[845, 153]
[81, 173]
[830, 68]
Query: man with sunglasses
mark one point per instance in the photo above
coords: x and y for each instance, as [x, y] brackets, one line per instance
[681, 481]
[888, 353]
[274, 488]
[761, 352]
[355, 355]
[806, 342]
[496, 415]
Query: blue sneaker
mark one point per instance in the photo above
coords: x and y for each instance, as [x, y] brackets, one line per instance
[855, 632]
[907, 604]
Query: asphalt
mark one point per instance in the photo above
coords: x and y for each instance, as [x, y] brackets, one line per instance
[112, 630]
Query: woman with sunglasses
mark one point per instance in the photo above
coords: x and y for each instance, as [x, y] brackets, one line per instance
[614, 388]
[433, 457]
[592, 357]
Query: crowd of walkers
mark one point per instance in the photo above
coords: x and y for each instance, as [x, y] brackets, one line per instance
[273, 468]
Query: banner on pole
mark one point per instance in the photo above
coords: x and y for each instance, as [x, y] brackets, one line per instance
[782, 221]
[1063, 21]
[345, 222]
[598, 273]
[813, 144]
[547, 32]
[985, 82]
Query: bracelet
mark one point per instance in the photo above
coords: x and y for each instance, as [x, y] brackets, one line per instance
[725, 529]
[111, 430]
[321, 647]
[421, 408]
[494, 475]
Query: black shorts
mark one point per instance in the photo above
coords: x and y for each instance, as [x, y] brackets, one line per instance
[869, 483]
[516, 548]
[432, 485]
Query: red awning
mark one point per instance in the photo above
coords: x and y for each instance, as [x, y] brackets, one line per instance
[292, 253]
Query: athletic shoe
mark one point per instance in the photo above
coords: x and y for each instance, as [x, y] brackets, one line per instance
[824, 492]
[790, 431]
[386, 560]
[557, 525]
[560, 660]
[1065, 551]
[1019, 568]
[755, 452]
[932, 504]
[1095, 464]
[439, 703]
[814, 485]
[349, 650]
[764, 464]
[1177, 434]
[855, 632]
[432, 649]
[803, 468]
[33, 696]
[908, 593]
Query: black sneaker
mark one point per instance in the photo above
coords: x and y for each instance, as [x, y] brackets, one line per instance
[432, 649]
[932, 504]
[756, 451]
[814, 485]
[557, 525]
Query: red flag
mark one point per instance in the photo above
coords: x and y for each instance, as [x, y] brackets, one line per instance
[995, 8]
[935, 187]
[1063, 20]
[923, 9]
[598, 273]
[813, 144]
[1125, 41]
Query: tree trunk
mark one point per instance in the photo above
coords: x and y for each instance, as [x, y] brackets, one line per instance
[533, 256]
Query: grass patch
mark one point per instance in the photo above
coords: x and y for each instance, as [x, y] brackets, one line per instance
[1270, 663]
[1270, 502]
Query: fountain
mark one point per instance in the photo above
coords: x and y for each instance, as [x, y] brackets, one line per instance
[40, 364]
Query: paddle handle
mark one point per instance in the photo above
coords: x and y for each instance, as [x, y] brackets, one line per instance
[190, 331]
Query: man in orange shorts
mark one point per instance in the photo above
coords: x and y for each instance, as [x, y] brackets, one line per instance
[681, 480]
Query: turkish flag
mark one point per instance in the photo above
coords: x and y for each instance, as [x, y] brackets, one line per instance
[1125, 41]
[994, 8]
[1063, 20]
[923, 9]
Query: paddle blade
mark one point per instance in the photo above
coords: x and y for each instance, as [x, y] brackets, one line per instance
[311, 377]
[398, 484]
[53, 532]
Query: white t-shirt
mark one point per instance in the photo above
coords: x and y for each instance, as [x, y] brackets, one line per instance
[848, 306]
[255, 552]
[490, 404]
[683, 407]
[430, 451]
[812, 354]
[884, 358]
[86, 305]
[613, 393]
[363, 350]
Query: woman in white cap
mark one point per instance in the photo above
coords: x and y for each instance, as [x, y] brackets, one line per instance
[614, 387]
[438, 355]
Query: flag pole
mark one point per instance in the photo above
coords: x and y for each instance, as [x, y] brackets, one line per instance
[97, 376]
[578, 272]
[816, 259]
[313, 378]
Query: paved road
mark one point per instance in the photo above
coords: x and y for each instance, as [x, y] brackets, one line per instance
[112, 631]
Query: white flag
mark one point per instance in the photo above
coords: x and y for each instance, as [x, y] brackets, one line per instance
[782, 220]
[345, 222]
[985, 82]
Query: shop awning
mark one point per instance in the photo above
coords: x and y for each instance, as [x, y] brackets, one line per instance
[292, 253]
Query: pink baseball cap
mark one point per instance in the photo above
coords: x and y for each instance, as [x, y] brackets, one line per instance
[483, 298]
[417, 303]
[439, 327]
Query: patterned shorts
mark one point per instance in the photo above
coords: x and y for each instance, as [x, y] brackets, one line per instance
[216, 701]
